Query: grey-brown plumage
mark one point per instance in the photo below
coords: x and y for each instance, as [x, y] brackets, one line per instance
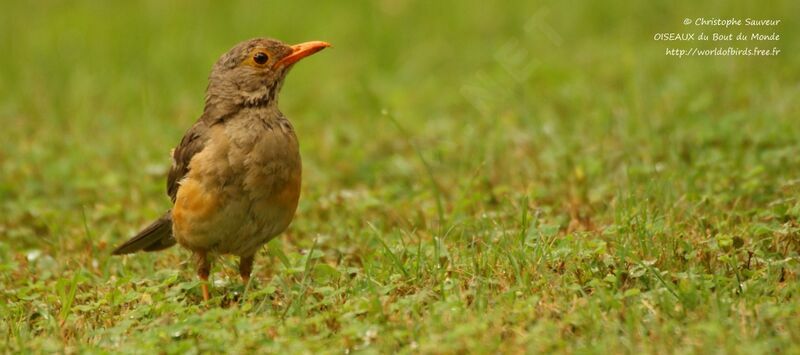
[235, 177]
[154, 237]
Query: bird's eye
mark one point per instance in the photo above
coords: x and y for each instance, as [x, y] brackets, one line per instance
[260, 58]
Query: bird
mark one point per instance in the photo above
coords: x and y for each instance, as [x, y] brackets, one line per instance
[235, 176]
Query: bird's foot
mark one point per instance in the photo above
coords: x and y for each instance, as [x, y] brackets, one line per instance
[204, 288]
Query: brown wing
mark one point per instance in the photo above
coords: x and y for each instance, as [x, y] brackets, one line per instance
[192, 143]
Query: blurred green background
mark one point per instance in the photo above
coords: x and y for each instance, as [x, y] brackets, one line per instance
[487, 177]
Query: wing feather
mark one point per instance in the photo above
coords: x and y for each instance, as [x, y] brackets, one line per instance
[192, 143]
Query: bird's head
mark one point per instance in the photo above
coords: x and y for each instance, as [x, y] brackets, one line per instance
[252, 72]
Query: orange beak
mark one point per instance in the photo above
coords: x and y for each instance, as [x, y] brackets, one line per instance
[300, 51]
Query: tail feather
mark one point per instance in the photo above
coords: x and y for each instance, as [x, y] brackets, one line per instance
[156, 236]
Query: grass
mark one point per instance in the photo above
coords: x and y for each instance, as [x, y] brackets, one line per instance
[525, 177]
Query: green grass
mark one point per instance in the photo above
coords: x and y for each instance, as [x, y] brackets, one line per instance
[521, 177]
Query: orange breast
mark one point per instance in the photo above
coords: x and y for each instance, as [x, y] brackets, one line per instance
[193, 205]
[290, 194]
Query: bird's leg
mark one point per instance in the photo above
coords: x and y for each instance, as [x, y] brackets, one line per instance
[203, 269]
[246, 267]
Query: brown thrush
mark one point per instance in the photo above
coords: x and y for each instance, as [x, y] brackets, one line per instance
[235, 176]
